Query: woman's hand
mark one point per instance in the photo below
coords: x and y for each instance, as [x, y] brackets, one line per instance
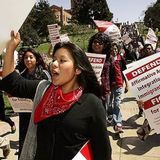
[8, 65]
[14, 41]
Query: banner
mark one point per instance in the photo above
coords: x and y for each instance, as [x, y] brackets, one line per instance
[110, 29]
[21, 104]
[55, 36]
[54, 33]
[12, 15]
[151, 38]
[143, 77]
[126, 39]
[97, 61]
[85, 153]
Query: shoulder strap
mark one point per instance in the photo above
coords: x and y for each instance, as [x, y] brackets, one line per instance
[30, 143]
[47, 74]
[41, 88]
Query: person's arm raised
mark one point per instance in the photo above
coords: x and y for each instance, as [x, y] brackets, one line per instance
[8, 66]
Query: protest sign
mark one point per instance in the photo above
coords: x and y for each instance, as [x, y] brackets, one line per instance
[97, 62]
[13, 13]
[144, 79]
[126, 39]
[110, 29]
[151, 38]
[54, 33]
[21, 104]
[64, 38]
[85, 152]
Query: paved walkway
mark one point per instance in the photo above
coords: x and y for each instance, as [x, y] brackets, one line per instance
[125, 147]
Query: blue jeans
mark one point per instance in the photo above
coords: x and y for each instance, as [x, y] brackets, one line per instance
[114, 105]
[106, 103]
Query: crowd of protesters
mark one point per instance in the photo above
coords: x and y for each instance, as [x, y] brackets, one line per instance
[112, 84]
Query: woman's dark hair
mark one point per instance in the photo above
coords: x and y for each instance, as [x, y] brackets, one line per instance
[87, 79]
[40, 64]
[147, 45]
[101, 37]
[118, 47]
[39, 58]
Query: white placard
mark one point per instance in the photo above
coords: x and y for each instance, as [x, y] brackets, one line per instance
[126, 39]
[12, 15]
[64, 38]
[151, 38]
[54, 33]
[97, 61]
[21, 104]
[85, 152]
[144, 79]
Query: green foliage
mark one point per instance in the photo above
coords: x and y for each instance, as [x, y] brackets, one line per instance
[43, 17]
[43, 48]
[78, 34]
[80, 37]
[101, 10]
[152, 16]
[85, 12]
[34, 30]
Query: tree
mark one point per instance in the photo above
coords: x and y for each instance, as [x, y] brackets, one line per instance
[152, 16]
[34, 29]
[85, 11]
[101, 11]
[28, 33]
[83, 14]
[43, 17]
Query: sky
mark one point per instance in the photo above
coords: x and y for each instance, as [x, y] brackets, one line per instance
[123, 10]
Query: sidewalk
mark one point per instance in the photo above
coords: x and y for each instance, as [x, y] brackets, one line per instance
[5, 130]
[125, 147]
[128, 146]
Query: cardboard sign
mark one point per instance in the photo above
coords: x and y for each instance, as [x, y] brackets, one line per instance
[21, 104]
[54, 33]
[12, 15]
[126, 39]
[97, 61]
[110, 29]
[144, 79]
[85, 152]
[151, 38]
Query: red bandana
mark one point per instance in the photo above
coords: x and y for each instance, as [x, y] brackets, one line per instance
[54, 102]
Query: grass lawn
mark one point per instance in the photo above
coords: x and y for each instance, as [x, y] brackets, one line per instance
[8, 107]
[81, 40]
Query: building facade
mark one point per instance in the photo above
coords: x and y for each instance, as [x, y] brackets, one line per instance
[62, 15]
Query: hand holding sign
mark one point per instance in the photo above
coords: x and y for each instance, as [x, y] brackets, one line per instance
[14, 41]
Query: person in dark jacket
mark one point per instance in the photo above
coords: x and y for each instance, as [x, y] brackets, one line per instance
[100, 43]
[34, 69]
[69, 112]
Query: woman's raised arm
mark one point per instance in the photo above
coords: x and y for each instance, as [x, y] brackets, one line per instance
[8, 65]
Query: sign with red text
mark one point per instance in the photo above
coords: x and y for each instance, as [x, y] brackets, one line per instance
[110, 29]
[21, 104]
[144, 79]
[13, 14]
[85, 152]
[97, 62]
[54, 33]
